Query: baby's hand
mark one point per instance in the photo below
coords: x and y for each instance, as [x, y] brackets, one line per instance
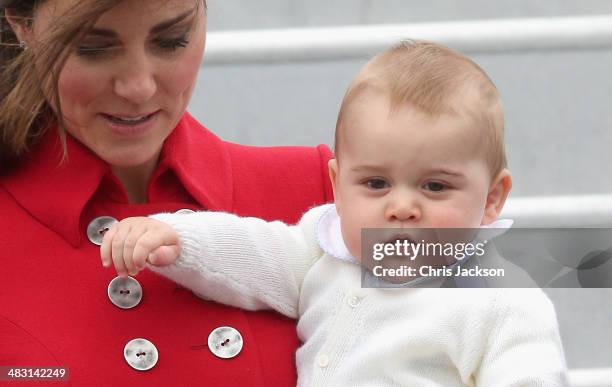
[132, 242]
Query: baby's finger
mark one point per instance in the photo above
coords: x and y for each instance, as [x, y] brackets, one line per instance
[105, 247]
[143, 247]
[131, 239]
[117, 249]
[161, 239]
[164, 255]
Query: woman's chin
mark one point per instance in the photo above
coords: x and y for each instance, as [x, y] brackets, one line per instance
[131, 160]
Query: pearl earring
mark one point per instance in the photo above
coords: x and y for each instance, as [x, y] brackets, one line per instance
[23, 45]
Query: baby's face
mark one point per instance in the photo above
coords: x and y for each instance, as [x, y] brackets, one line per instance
[406, 169]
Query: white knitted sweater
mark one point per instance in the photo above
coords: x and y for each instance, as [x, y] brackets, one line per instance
[356, 336]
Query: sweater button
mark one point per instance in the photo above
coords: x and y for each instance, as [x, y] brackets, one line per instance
[140, 354]
[225, 342]
[125, 293]
[98, 227]
[323, 360]
[354, 301]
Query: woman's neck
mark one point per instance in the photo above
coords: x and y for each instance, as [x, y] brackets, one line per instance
[135, 179]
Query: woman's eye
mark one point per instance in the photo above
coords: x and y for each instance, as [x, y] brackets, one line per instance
[164, 44]
[377, 183]
[172, 44]
[91, 51]
[434, 186]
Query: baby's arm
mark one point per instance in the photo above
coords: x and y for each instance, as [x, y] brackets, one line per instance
[524, 347]
[244, 262]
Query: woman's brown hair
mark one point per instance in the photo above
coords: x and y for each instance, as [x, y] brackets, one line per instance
[29, 99]
[29, 77]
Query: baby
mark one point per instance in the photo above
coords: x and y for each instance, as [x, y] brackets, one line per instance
[419, 144]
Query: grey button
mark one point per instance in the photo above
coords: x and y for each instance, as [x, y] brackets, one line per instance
[140, 354]
[225, 342]
[126, 292]
[98, 227]
[184, 211]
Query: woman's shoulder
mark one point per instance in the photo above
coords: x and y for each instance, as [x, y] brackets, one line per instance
[303, 157]
[259, 159]
[286, 180]
[269, 182]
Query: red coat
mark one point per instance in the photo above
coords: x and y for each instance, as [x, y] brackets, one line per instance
[54, 308]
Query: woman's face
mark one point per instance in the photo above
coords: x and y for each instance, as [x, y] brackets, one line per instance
[128, 81]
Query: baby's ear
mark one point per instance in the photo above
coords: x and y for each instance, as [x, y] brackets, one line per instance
[332, 166]
[498, 192]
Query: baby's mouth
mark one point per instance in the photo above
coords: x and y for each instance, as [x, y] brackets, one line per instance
[403, 245]
[402, 239]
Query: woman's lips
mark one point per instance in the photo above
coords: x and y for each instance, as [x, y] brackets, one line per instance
[130, 124]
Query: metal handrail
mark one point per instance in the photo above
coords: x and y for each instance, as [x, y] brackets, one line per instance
[591, 377]
[349, 42]
[560, 211]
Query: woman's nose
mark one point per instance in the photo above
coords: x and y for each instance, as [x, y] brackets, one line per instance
[135, 80]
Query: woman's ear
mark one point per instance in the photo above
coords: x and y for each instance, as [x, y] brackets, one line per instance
[498, 192]
[21, 26]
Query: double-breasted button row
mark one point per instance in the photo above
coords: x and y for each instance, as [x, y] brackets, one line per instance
[125, 293]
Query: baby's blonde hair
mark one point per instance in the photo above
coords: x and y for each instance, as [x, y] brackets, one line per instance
[435, 80]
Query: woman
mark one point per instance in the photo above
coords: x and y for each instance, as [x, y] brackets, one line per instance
[93, 128]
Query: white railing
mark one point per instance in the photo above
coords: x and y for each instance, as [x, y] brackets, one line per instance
[560, 211]
[333, 43]
[591, 377]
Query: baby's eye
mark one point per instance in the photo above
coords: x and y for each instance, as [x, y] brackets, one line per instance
[435, 186]
[377, 183]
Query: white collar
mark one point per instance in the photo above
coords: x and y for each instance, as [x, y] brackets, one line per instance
[329, 233]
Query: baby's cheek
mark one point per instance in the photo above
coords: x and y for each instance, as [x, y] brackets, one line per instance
[454, 217]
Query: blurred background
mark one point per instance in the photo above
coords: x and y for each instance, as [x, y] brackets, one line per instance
[554, 76]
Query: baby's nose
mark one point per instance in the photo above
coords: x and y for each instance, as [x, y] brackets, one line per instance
[403, 210]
